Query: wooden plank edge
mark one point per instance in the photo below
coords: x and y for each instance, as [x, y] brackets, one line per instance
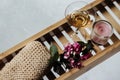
[91, 62]
[92, 4]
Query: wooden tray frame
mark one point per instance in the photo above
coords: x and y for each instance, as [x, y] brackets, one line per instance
[101, 55]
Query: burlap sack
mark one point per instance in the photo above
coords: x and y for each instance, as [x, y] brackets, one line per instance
[28, 64]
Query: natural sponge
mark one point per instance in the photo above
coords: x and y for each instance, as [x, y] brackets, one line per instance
[28, 64]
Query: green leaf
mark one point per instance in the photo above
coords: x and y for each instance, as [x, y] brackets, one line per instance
[81, 43]
[53, 50]
[55, 57]
[89, 45]
[57, 67]
[54, 54]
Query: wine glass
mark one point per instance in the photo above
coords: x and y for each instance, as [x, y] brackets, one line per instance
[79, 16]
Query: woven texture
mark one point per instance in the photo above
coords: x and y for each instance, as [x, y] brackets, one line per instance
[28, 64]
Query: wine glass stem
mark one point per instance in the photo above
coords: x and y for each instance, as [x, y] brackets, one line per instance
[76, 31]
[82, 32]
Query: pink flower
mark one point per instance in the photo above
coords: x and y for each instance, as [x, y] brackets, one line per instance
[71, 60]
[78, 65]
[74, 64]
[86, 56]
[77, 47]
[68, 48]
[66, 55]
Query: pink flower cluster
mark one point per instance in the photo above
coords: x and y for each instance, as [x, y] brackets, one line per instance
[74, 48]
[72, 55]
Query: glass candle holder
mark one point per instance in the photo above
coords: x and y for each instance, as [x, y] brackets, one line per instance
[101, 32]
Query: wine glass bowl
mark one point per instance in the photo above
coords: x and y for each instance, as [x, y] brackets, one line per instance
[78, 16]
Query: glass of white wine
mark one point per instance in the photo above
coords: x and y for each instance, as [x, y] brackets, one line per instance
[79, 16]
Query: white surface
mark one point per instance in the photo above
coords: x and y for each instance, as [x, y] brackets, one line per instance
[20, 19]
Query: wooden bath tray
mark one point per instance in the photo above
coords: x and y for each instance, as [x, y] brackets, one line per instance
[59, 33]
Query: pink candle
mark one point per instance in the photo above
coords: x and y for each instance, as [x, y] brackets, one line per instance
[102, 31]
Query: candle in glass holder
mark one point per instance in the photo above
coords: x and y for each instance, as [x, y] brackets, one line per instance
[102, 31]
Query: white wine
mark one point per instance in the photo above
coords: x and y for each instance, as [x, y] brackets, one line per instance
[78, 18]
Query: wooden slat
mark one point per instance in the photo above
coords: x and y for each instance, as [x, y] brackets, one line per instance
[66, 35]
[45, 42]
[116, 4]
[50, 75]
